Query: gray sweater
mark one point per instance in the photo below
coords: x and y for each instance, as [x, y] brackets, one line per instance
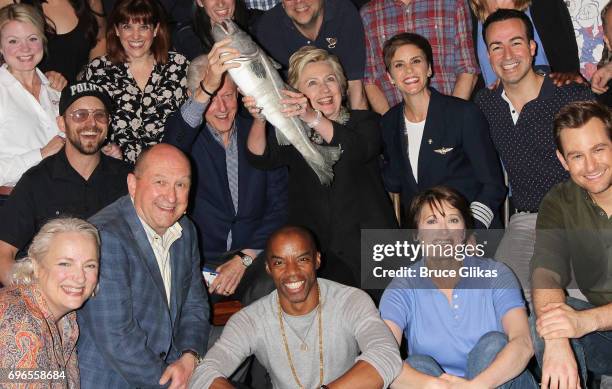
[352, 331]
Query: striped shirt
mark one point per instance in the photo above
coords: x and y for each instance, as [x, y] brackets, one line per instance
[262, 5]
[445, 23]
[161, 249]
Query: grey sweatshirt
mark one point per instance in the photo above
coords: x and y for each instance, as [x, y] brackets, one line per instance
[352, 331]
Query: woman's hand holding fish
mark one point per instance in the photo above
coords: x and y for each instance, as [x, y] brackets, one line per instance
[255, 111]
[296, 104]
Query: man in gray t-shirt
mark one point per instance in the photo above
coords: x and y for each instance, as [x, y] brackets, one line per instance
[309, 333]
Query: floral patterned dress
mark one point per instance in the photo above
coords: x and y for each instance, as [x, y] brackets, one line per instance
[140, 115]
[30, 339]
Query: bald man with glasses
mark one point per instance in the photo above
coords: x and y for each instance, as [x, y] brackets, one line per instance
[82, 178]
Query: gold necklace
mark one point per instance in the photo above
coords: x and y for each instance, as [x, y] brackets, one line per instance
[282, 327]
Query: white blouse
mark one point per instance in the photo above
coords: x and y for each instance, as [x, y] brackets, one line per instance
[25, 125]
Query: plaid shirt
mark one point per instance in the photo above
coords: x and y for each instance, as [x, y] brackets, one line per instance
[262, 5]
[445, 23]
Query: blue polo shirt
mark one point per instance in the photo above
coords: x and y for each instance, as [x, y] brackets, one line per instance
[448, 332]
[341, 34]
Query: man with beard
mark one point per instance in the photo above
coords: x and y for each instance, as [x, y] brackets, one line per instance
[309, 333]
[78, 181]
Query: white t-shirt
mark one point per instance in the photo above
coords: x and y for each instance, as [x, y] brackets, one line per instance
[26, 125]
[414, 131]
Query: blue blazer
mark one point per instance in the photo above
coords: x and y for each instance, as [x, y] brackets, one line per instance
[456, 150]
[262, 195]
[128, 334]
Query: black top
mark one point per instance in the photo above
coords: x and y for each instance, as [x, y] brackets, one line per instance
[606, 98]
[527, 149]
[356, 198]
[341, 33]
[67, 53]
[53, 188]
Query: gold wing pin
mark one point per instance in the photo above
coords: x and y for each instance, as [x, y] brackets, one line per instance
[443, 150]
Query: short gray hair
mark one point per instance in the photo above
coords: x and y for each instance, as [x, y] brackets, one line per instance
[23, 270]
[194, 72]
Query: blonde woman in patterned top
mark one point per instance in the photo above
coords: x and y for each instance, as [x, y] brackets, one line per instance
[38, 327]
[145, 80]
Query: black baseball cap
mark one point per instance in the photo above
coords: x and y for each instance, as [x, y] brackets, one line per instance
[73, 92]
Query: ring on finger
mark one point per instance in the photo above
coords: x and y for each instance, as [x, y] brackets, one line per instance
[298, 107]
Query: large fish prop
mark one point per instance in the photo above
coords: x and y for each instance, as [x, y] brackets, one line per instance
[258, 77]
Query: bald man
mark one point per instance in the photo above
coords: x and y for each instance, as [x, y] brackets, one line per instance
[309, 333]
[148, 323]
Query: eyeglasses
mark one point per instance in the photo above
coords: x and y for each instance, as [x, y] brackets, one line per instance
[81, 115]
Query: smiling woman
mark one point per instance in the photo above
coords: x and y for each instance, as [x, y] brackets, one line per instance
[28, 105]
[214, 11]
[145, 80]
[356, 198]
[433, 139]
[58, 276]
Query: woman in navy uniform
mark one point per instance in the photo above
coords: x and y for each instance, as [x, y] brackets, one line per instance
[431, 139]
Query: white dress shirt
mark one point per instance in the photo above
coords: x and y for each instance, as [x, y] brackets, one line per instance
[161, 249]
[26, 125]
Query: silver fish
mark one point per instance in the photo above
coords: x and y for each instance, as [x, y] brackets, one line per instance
[257, 77]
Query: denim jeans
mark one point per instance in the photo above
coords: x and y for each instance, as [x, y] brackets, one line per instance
[479, 358]
[593, 351]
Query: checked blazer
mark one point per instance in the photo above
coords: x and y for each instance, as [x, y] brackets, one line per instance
[129, 334]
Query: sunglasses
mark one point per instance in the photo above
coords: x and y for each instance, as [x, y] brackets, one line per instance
[81, 115]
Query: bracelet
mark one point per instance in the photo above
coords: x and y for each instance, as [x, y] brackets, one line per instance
[211, 95]
[316, 121]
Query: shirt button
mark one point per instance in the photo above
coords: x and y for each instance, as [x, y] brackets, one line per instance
[456, 306]
[57, 212]
[455, 296]
[601, 213]
[456, 317]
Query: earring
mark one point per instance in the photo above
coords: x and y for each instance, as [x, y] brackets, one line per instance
[392, 82]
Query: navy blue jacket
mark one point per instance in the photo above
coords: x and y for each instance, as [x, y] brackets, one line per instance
[471, 167]
[262, 195]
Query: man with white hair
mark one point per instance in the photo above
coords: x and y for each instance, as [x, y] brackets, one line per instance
[235, 206]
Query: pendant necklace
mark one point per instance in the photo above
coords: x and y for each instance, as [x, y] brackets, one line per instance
[286, 344]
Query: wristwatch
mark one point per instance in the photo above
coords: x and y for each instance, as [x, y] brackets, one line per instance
[324, 387]
[247, 260]
[194, 353]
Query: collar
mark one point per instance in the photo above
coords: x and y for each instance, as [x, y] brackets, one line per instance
[173, 232]
[217, 137]
[63, 169]
[547, 90]
[7, 79]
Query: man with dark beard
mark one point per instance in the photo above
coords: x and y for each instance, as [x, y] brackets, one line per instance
[78, 181]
